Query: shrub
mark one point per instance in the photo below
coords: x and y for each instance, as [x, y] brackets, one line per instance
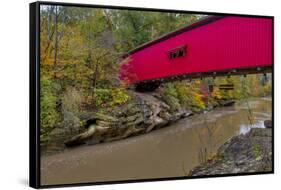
[119, 96]
[72, 100]
[49, 116]
[190, 94]
[170, 96]
[102, 97]
[196, 100]
[183, 91]
[216, 93]
[110, 97]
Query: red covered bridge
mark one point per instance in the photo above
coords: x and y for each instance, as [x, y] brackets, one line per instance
[214, 46]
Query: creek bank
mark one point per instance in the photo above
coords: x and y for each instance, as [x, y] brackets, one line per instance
[143, 113]
[245, 153]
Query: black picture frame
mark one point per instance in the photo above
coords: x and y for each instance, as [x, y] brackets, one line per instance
[34, 93]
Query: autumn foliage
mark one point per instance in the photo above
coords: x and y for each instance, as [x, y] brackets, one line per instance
[81, 53]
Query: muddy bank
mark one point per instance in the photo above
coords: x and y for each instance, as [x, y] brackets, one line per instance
[245, 153]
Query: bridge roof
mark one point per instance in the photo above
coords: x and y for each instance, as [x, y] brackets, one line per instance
[201, 22]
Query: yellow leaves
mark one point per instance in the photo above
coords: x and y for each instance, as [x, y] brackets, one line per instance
[189, 94]
[216, 93]
[48, 61]
[110, 97]
[119, 96]
[267, 88]
[197, 82]
[197, 100]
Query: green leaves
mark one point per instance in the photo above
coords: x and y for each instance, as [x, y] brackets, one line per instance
[110, 97]
[49, 115]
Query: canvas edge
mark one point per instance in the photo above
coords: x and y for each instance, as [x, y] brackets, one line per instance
[34, 97]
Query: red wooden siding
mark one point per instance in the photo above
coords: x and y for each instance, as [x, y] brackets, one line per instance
[230, 42]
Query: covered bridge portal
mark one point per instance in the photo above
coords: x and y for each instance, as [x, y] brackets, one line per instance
[216, 45]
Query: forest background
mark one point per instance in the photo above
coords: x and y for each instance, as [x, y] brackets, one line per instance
[81, 51]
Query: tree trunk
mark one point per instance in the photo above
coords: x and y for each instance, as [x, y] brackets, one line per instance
[56, 36]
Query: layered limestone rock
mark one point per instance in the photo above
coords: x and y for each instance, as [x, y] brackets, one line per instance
[141, 115]
[247, 153]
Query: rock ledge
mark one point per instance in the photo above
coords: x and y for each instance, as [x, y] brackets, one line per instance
[247, 153]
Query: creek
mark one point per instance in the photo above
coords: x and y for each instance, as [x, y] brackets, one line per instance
[171, 151]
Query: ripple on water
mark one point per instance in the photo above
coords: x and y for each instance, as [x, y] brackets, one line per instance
[244, 129]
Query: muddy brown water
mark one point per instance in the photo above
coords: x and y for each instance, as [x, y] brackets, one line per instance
[168, 152]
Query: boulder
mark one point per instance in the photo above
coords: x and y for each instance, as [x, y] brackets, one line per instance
[268, 123]
[251, 152]
[226, 102]
[106, 117]
[93, 134]
[70, 126]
